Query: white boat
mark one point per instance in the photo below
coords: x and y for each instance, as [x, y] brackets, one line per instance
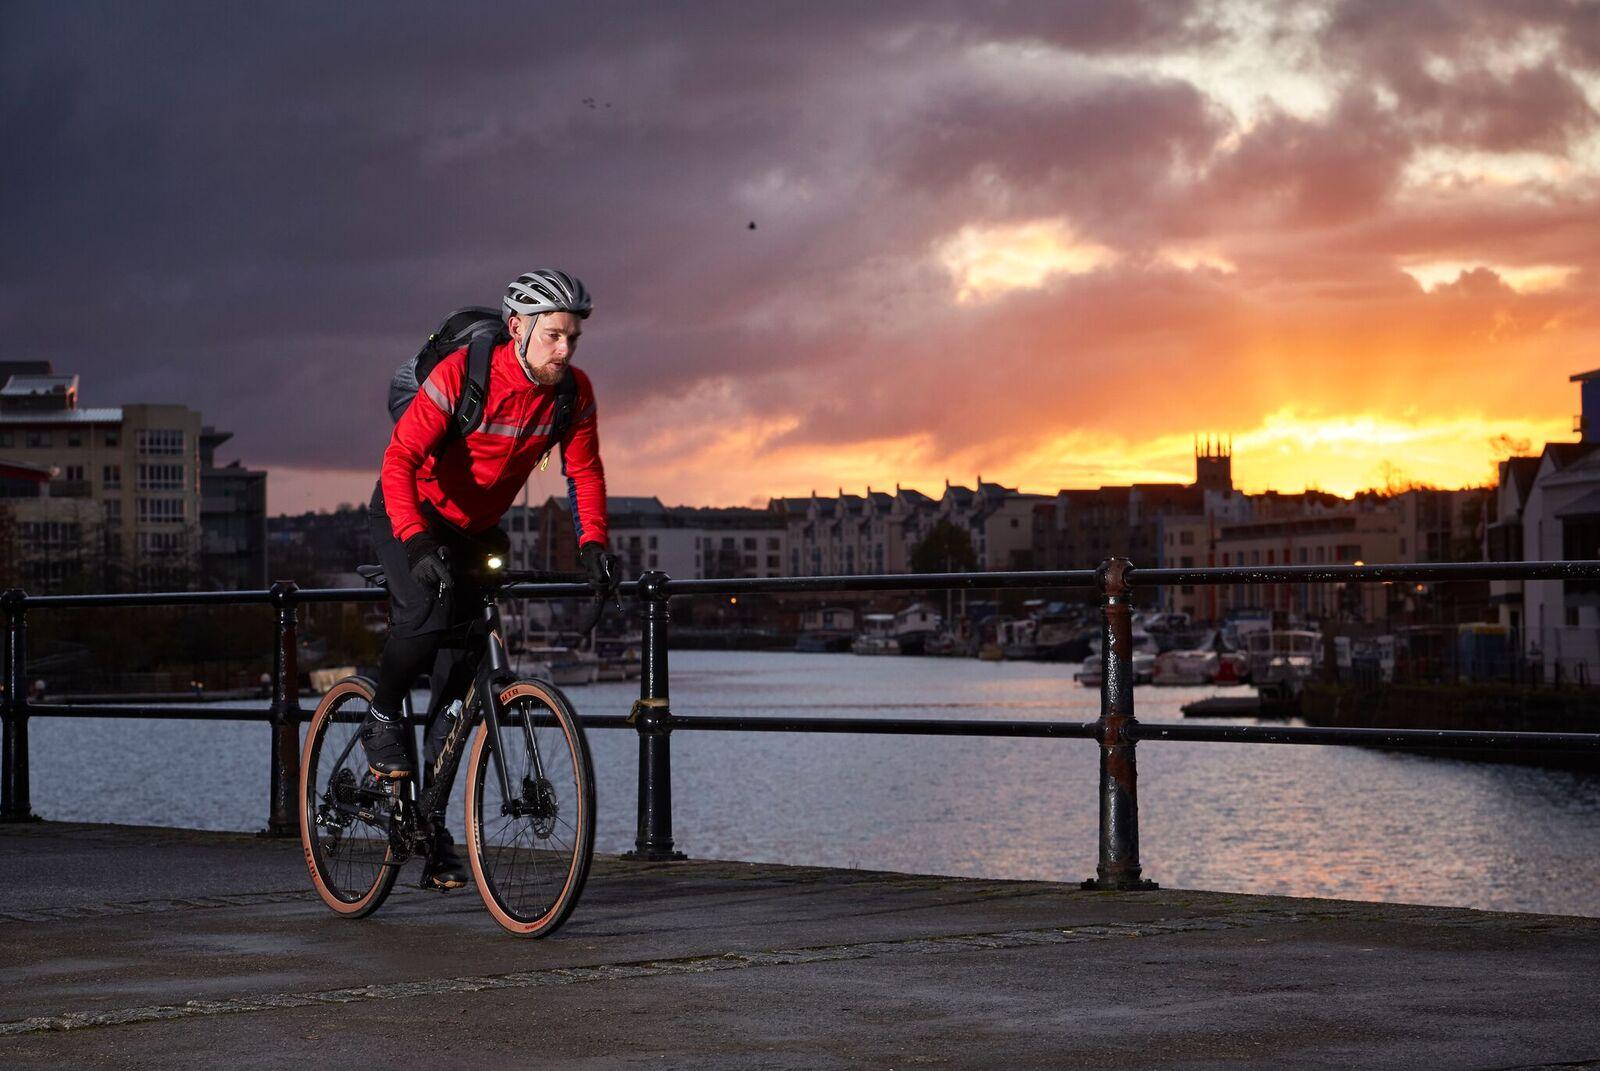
[1282, 660]
[875, 645]
[1206, 662]
[877, 636]
[1092, 673]
[1197, 666]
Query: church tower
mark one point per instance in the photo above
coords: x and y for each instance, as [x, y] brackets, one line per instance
[1213, 464]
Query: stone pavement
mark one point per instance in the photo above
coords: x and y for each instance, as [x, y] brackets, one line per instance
[132, 947]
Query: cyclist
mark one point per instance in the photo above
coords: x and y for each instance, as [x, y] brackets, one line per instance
[435, 513]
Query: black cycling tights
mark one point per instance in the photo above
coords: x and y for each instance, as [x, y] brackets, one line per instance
[405, 658]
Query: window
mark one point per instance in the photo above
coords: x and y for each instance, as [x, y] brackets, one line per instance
[113, 438]
[749, 543]
[7, 440]
[1015, 523]
[772, 543]
[160, 477]
[654, 562]
[1186, 538]
[161, 511]
[161, 542]
[113, 510]
[36, 439]
[74, 438]
[48, 535]
[1572, 617]
[161, 441]
[652, 543]
[772, 561]
[73, 472]
[111, 477]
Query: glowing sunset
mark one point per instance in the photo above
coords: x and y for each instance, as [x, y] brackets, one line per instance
[1049, 245]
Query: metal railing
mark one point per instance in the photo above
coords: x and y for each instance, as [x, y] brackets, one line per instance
[1116, 731]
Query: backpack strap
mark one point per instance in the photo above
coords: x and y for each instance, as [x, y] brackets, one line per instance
[475, 387]
[561, 416]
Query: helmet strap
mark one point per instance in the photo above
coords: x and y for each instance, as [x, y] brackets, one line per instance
[522, 347]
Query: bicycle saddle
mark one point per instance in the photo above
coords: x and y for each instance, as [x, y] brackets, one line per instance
[372, 574]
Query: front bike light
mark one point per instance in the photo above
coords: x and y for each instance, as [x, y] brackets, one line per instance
[496, 562]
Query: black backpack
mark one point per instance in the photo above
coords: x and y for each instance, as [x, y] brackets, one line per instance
[480, 330]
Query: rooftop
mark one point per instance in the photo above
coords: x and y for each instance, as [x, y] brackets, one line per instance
[21, 385]
[104, 415]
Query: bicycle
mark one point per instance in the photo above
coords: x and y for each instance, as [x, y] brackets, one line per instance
[530, 809]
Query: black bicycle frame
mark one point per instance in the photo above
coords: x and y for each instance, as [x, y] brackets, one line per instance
[493, 671]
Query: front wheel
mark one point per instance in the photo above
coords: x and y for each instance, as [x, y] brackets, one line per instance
[530, 848]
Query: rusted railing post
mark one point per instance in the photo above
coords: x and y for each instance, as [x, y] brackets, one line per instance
[1119, 779]
[15, 804]
[652, 717]
[283, 819]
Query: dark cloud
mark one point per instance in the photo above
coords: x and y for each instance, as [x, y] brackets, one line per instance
[259, 211]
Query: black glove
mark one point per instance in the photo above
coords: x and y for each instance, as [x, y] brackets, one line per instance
[428, 567]
[603, 567]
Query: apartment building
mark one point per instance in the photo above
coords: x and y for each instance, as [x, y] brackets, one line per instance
[140, 465]
[1561, 520]
[46, 543]
[233, 520]
[686, 542]
[1365, 530]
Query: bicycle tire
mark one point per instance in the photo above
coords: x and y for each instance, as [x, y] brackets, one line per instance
[508, 876]
[360, 887]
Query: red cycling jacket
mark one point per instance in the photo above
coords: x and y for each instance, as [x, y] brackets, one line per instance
[475, 480]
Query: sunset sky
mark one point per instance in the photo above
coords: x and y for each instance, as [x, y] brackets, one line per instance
[1049, 243]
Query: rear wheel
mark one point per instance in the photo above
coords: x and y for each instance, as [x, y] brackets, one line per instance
[530, 852]
[344, 809]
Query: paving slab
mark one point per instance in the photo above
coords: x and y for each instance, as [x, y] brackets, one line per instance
[136, 947]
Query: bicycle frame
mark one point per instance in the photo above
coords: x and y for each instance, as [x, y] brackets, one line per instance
[482, 695]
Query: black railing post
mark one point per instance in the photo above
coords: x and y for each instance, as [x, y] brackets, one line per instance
[1119, 778]
[282, 820]
[653, 720]
[15, 804]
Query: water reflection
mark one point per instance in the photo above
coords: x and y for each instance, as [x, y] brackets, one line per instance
[1308, 821]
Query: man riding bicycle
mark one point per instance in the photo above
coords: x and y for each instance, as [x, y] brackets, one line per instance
[436, 510]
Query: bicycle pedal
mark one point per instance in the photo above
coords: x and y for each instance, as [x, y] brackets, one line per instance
[440, 886]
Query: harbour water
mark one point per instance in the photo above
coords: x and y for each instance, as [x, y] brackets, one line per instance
[1309, 821]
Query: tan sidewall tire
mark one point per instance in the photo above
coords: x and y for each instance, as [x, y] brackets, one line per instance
[578, 872]
[380, 888]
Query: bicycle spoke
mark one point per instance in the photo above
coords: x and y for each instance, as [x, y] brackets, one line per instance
[530, 848]
[349, 850]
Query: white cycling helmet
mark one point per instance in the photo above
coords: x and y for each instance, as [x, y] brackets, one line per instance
[547, 290]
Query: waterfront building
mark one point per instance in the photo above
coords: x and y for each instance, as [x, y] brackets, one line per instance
[138, 466]
[1561, 520]
[1502, 540]
[233, 520]
[685, 542]
[1364, 530]
[1544, 508]
[47, 543]
[854, 534]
